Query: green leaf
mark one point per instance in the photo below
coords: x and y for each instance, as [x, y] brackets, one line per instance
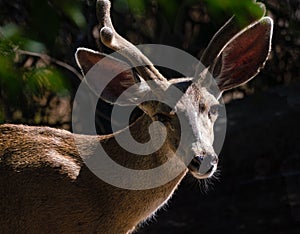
[74, 12]
[138, 7]
[44, 78]
[246, 11]
[169, 9]
[34, 46]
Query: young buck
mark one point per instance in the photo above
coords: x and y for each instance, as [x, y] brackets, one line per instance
[46, 187]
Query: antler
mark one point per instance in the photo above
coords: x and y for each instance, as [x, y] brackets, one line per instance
[113, 40]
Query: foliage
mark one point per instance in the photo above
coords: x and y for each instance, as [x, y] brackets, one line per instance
[25, 40]
[38, 37]
[170, 9]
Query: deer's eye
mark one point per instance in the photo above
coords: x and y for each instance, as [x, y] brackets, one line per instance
[202, 107]
[213, 111]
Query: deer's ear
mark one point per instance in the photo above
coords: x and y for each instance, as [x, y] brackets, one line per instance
[109, 77]
[244, 55]
[87, 58]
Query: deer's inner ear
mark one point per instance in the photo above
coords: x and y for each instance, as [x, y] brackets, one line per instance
[110, 77]
[243, 57]
[87, 58]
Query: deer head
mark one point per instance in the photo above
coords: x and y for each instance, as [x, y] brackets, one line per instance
[232, 62]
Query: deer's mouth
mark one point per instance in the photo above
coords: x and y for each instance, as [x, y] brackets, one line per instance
[203, 167]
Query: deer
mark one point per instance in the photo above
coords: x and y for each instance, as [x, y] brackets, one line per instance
[46, 186]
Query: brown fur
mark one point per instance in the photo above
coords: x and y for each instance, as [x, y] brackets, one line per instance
[46, 187]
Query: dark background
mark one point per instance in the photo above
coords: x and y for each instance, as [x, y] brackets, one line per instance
[257, 190]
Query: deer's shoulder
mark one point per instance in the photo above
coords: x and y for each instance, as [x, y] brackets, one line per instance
[25, 147]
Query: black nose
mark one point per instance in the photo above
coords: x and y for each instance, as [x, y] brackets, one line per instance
[196, 163]
[203, 164]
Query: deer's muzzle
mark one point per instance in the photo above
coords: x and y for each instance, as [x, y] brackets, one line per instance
[203, 166]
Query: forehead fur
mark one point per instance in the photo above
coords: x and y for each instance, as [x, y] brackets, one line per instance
[193, 97]
[199, 95]
[194, 92]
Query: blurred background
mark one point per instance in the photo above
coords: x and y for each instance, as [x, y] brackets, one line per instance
[258, 189]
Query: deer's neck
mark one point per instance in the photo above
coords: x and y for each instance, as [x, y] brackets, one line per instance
[139, 131]
[137, 205]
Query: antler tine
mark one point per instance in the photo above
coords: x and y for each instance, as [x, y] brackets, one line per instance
[113, 40]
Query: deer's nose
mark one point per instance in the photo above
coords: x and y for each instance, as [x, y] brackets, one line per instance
[204, 164]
